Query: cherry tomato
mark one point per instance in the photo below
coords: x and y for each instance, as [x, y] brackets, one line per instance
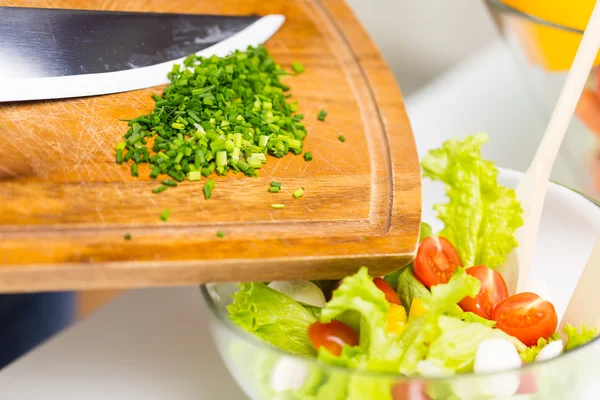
[390, 294]
[527, 317]
[409, 391]
[332, 335]
[436, 261]
[493, 290]
[528, 384]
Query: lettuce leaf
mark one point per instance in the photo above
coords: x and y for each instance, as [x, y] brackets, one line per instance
[455, 348]
[481, 216]
[379, 349]
[578, 337]
[444, 298]
[529, 354]
[421, 332]
[273, 317]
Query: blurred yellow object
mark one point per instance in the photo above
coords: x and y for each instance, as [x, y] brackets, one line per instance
[552, 48]
[396, 319]
[417, 308]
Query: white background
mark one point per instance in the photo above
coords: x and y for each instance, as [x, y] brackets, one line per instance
[422, 38]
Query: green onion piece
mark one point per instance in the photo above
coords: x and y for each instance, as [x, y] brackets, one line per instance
[165, 214]
[119, 156]
[277, 206]
[194, 175]
[155, 172]
[298, 193]
[254, 163]
[237, 139]
[308, 156]
[134, 170]
[276, 184]
[208, 188]
[121, 146]
[169, 182]
[178, 158]
[221, 158]
[341, 138]
[274, 189]
[159, 189]
[127, 236]
[322, 115]
[298, 68]
[220, 234]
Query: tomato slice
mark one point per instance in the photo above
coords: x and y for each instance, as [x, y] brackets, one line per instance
[493, 290]
[332, 335]
[436, 261]
[390, 294]
[527, 317]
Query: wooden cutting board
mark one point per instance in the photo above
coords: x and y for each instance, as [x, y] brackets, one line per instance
[66, 205]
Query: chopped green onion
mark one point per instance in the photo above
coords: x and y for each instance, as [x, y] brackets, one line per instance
[169, 182]
[322, 115]
[127, 236]
[277, 206]
[276, 184]
[165, 214]
[220, 234]
[134, 170]
[254, 163]
[159, 189]
[208, 188]
[274, 189]
[194, 175]
[308, 156]
[221, 158]
[298, 68]
[298, 193]
[341, 138]
[217, 114]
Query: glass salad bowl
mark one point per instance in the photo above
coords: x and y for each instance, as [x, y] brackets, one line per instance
[570, 225]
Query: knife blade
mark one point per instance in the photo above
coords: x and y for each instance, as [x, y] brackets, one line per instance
[56, 53]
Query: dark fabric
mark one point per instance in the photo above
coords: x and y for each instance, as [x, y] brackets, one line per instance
[26, 320]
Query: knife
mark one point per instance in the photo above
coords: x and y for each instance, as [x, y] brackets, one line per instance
[60, 53]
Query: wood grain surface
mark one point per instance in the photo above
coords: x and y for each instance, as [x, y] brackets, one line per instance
[65, 204]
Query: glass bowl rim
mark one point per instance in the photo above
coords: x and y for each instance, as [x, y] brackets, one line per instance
[512, 10]
[248, 337]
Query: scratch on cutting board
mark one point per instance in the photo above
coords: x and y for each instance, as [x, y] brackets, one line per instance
[323, 158]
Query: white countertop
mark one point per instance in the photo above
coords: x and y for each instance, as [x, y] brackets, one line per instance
[155, 344]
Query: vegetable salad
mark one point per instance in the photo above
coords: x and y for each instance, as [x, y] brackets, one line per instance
[447, 313]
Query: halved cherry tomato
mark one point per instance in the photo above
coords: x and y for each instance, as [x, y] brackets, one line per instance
[493, 290]
[332, 335]
[436, 261]
[409, 391]
[390, 294]
[528, 384]
[527, 317]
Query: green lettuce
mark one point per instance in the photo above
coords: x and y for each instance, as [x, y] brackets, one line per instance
[273, 317]
[451, 349]
[378, 348]
[578, 337]
[481, 216]
[530, 353]
[421, 332]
